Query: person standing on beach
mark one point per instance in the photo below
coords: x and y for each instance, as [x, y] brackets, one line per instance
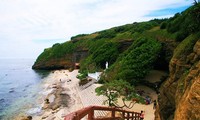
[142, 115]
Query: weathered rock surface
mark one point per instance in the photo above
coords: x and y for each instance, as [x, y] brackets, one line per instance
[62, 62]
[52, 64]
[180, 95]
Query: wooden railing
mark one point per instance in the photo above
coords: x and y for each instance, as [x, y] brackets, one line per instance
[88, 112]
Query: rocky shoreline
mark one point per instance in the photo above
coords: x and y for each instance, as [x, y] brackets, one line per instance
[59, 97]
[62, 95]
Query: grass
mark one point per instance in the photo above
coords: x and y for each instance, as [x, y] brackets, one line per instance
[123, 36]
[186, 46]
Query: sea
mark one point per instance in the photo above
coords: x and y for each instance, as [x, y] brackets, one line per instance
[20, 87]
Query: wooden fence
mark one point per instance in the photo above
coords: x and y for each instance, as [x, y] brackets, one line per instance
[88, 113]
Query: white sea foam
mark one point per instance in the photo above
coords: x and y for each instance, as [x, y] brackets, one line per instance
[34, 111]
[46, 92]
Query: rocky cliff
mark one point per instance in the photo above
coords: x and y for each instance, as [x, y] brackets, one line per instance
[66, 62]
[180, 96]
[51, 64]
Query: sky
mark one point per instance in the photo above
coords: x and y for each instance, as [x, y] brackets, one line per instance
[27, 27]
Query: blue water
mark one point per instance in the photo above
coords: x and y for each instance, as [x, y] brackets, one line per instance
[19, 86]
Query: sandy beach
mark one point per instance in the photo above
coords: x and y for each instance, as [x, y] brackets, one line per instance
[62, 95]
[148, 109]
[59, 97]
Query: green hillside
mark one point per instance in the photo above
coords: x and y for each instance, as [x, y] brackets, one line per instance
[131, 50]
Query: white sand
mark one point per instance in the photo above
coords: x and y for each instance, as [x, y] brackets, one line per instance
[69, 82]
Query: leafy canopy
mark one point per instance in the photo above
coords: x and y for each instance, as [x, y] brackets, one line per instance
[136, 62]
[113, 90]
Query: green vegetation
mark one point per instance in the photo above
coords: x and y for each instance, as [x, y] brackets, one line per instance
[152, 42]
[105, 47]
[186, 46]
[131, 50]
[139, 60]
[78, 36]
[185, 23]
[107, 52]
[115, 89]
[136, 62]
[57, 51]
[82, 76]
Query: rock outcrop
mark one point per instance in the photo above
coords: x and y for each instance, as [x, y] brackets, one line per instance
[62, 62]
[51, 64]
[180, 96]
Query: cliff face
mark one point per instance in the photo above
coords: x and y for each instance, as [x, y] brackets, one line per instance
[59, 63]
[180, 96]
[62, 62]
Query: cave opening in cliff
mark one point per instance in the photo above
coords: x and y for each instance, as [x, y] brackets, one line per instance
[162, 61]
[161, 65]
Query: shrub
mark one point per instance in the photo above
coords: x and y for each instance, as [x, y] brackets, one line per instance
[136, 62]
[78, 36]
[163, 25]
[106, 34]
[114, 90]
[181, 35]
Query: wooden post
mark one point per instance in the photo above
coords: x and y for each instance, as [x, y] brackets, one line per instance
[123, 114]
[135, 116]
[91, 114]
[113, 113]
[138, 116]
[76, 116]
[132, 116]
[128, 115]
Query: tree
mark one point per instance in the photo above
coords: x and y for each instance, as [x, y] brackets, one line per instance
[117, 89]
[108, 52]
[138, 60]
[196, 2]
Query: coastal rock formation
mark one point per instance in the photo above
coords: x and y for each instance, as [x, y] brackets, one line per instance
[61, 62]
[179, 52]
[180, 96]
[68, 60]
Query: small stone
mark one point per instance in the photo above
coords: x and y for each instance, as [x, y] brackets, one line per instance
[29, 117]
[47, 101]
[44, 117]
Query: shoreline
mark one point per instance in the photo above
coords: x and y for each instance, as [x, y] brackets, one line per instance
[62, 100]
[60, 88]
[64, 96]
